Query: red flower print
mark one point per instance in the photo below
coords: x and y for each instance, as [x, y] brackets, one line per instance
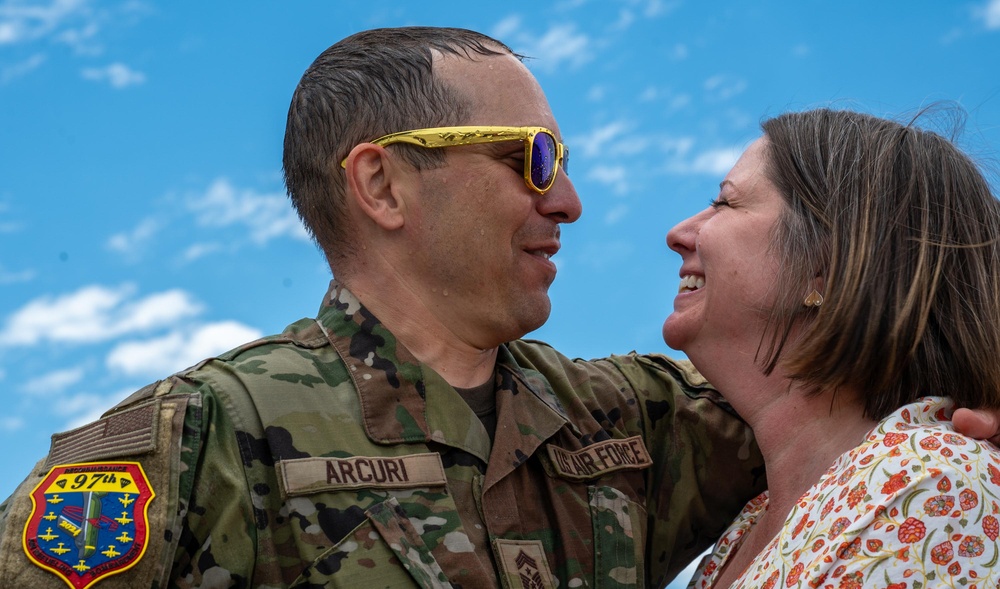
[895, 483]
[897, 586]
[852, 581]
[799, 526]
[710, 569]
[930, 443]
[905, 414]
[894, 439]
[953, 439]
[991, 527]
[912, 530]
[954, 569]
[873, 545]
[994, 474]
[946, 452]
[971, 546]
[849, 550]
[771, 581]
[939, 506]
[827, 508]
[819, 543]
[942, 553]
[839, 571]
[846, 476]
[793, 576]
[968, 499]
[838, 527]
[815, 583]
[944, 485]
[867, 460]
[858, 494]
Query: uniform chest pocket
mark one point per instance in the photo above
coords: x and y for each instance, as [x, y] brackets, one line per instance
[368, 521]
[387, 549]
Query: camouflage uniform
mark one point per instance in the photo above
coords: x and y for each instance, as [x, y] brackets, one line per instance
[328, 456]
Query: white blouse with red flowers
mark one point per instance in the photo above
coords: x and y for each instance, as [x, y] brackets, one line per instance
[914, 506]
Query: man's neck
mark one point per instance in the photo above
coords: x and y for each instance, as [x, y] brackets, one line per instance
[431, 340]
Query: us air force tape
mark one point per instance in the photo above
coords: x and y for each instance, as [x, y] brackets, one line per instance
[600, 459]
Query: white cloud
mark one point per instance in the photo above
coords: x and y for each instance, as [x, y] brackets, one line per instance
[625, 20]
[130, 243]
[506, 27]
[23, 68]
[118, 75]
[11, 424]
[21, 21]
[199, 250]
[723, 87]
[53, 382]
[266, 215]
[991, 14]
[715, 162]
[614, 177]
[616, 214]
[178, 350]
[7, 277]
[594, 142]
[559, 46]
[596, 93]
[93, 314]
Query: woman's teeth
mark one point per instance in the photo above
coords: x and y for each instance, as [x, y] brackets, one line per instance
[690, 283]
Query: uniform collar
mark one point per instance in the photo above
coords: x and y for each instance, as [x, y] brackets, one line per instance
[405, 401]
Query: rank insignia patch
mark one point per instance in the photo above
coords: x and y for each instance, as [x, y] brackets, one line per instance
[89, 520]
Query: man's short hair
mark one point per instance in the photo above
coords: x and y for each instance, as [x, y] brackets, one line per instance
[369, 84]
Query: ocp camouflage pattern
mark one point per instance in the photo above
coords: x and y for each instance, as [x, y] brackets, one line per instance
[420, 496]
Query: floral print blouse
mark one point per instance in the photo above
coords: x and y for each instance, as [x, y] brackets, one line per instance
[915, 506]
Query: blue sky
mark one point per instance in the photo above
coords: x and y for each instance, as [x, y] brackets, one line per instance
[143, 223]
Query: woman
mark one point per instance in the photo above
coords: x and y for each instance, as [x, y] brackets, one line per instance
[849, 275]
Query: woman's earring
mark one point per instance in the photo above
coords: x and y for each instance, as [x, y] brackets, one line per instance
[813, 299]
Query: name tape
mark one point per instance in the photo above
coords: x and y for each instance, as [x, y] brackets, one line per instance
[303, 476]
[600, 459]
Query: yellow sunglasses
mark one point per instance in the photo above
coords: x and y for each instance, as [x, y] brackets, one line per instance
[542, 153]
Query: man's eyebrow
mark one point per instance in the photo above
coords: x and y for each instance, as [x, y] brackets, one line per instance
[729, 182]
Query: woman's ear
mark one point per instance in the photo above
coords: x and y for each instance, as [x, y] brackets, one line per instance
[373, 181]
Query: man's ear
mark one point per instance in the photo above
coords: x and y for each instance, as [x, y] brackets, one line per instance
[374, 182]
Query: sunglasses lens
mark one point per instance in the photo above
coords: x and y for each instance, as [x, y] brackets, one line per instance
[543, 160]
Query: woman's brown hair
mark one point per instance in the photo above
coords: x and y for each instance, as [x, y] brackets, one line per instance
[903, 232]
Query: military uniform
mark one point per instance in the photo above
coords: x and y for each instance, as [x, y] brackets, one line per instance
[328, 456]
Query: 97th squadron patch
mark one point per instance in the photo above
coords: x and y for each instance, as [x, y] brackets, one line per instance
[89, 520]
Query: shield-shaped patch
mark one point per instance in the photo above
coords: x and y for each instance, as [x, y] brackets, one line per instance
[89, 520]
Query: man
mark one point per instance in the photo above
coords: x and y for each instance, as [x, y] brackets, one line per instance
[398, 439]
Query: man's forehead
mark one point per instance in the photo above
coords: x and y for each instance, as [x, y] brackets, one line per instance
[499, 88]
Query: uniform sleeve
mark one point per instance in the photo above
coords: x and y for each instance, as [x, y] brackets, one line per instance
[176, 435]
[706, 463]
[216, 543]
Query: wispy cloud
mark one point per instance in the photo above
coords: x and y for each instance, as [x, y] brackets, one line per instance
[178, 350]
[615, 177]
[94, 314]
[53, 382]
[131, 243]
[22, 68]
[21, 21]
[990, 14]
[561, 46]
[8, 277]
[596, 140]
[715, 162]
[267, 215]
[723, 87]
[118, 75]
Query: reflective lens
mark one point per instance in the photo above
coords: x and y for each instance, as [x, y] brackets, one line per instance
[543, 160]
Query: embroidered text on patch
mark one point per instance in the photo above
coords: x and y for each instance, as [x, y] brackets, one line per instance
[89, 520]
